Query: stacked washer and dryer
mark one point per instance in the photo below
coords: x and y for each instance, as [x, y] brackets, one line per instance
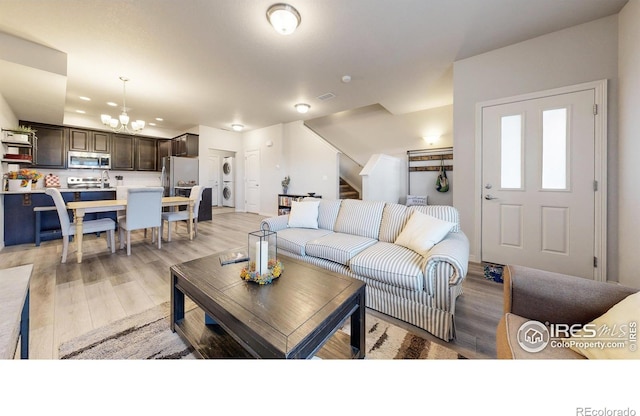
[228, 187]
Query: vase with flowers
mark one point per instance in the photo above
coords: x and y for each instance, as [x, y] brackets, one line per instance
[23, 180]
[285, 184]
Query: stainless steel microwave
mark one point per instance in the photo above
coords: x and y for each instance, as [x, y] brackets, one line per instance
[88, 160]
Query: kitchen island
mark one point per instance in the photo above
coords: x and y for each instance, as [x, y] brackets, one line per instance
[20, 218]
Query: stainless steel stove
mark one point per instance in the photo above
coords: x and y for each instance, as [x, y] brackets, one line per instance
[86, 183]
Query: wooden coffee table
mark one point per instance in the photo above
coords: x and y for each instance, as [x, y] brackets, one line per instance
[296, 316]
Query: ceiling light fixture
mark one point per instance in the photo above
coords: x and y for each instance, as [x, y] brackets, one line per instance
[237, 127]
[284, 18]
[302, 107]
[121, 124]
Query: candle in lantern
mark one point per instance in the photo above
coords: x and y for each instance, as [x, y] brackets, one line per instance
[262, 257]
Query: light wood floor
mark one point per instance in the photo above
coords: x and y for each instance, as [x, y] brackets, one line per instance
[70, 299]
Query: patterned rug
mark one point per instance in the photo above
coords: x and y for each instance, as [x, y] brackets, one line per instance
[147, 336]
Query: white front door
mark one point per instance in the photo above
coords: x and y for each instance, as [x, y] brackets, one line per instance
[214, 179]
[252, 181]
[538, 178]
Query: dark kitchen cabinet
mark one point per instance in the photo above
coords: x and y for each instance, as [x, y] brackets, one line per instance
[20, 223]
[146, 153]
[164, 150]
[49, 148]
[123, 152]
[89, 140]
[186, 145]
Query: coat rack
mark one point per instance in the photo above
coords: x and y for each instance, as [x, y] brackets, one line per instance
[428, 160]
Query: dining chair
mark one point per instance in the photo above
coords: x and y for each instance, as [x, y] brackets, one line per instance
[121, 193]
[144, 207]
[92, 226]
[175, 216]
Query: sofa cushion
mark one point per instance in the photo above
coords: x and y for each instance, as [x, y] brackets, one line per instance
[394, 218]
[390, 263]
[614, 325]
[295, 239]
[303, 214]
[443, 212]
[328, 213]
[413, 200]
[422, 232]
[338, 247]
[358, 217]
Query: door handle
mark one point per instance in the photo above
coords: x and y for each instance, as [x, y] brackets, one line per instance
[490, 197]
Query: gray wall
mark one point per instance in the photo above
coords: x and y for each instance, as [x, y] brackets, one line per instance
[583, 53]
[629, 146]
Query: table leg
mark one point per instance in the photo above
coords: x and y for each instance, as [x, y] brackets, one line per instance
[177, 303]
[358, 336]
[24, 329]
[191, 220]
[78, 216]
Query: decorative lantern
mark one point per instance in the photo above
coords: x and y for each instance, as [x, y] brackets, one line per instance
[263, 265]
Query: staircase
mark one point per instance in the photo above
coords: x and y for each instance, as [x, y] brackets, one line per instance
[347, 191]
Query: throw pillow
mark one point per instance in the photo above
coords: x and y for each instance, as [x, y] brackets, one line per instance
[416, 200]
[304, 214]
[422, 232]
[616, 325]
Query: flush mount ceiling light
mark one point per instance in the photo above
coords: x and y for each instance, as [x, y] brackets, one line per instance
[284, 18]
[121, 124]
[237, 127]
[302, 107]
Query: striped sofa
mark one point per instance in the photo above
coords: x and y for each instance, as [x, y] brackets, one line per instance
[357, 237]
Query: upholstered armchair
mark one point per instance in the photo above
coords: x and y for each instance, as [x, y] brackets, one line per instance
[552, 298]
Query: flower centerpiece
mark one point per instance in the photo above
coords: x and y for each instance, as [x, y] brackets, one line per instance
[285, 184]
[263, 265]
[28, 178]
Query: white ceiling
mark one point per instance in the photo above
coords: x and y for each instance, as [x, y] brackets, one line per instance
[218, 62]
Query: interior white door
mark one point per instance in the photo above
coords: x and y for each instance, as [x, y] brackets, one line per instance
[538, 172]
[252, 181]
[214, 179]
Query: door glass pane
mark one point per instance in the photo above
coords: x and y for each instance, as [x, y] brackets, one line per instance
[511, 152]
[554, 149]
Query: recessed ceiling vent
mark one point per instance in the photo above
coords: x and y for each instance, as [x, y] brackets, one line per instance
[325, 97]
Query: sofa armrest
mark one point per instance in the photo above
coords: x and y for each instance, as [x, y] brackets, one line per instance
[558, 298]
[453, 249]
[275, 223]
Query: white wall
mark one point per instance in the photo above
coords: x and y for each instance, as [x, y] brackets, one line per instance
[269, 141]
[583, 53]
[629, 145]
[8, 120]
[292, 150]
[313, 164]
[381, 178]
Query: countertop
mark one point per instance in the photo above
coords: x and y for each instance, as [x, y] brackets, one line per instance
[41, 191]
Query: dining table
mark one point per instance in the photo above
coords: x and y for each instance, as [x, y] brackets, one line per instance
[80, 208]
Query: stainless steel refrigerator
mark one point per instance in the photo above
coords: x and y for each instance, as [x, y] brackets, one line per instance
[179, 175]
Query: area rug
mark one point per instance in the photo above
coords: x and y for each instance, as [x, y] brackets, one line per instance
[147, 336]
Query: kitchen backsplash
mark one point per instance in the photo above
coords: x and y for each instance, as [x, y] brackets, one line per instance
[129, 178]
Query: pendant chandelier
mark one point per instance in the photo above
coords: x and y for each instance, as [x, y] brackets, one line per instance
[121, 124]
